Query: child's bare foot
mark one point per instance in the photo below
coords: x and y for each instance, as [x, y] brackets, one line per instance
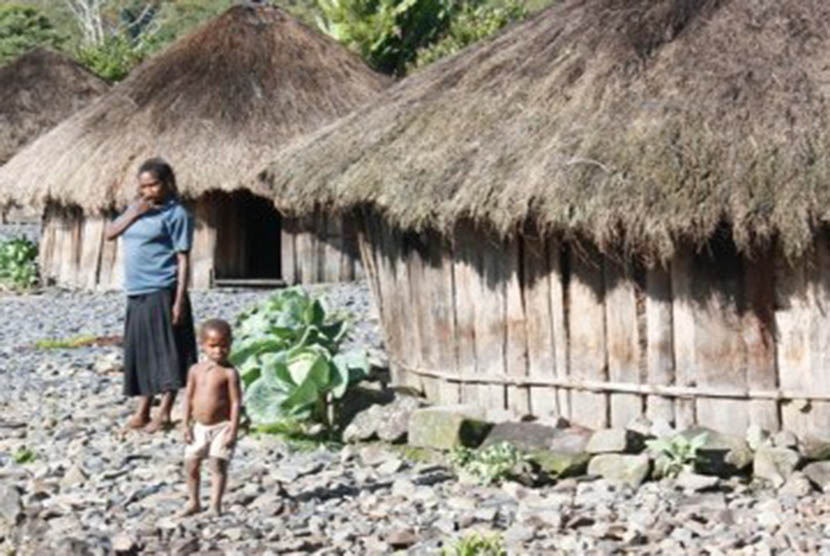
[190, 509]
[137, 421]
[157, 425]
[215, 511]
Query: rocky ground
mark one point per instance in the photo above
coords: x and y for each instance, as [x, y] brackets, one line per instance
[89, 488]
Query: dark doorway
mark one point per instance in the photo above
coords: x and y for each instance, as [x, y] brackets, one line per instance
[247, 239]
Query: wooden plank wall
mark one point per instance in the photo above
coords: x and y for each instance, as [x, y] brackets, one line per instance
[477, 320]
[320, 248]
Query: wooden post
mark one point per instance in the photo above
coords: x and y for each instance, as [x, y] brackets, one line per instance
[467, 290]
[515, 356]
[558, 312]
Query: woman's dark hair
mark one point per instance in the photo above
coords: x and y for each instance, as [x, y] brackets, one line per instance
[163, 172]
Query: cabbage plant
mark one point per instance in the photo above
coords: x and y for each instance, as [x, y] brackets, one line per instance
[287, 351]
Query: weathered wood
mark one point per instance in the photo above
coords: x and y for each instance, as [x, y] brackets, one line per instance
[91, 245]
[711, 290]
[758, 325]
[203, 252]
[623, 343]
[659, 344]
[288, 251]
[467, 286]
[419, 348]
[515, 355]
[586, 335]
[332, 248]
[683, 321]
[438, 284]
[558, 312]
[349, 255]
[541, 347]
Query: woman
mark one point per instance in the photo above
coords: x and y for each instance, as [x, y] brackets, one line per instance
[159, 341]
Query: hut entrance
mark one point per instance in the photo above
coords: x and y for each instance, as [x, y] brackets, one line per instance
[247, 241]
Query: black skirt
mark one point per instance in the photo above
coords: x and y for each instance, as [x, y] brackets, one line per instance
[157, 355]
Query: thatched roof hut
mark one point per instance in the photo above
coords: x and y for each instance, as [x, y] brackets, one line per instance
[215, 104]
[37, 91]
[512, 193]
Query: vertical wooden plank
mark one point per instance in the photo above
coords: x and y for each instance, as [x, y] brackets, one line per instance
[558, 312]
[467, 288]
[92, 240]
[819, 284]
[203, 252]
[437, 292]
[660, 341]
[718, 357]
[490, 315]
[332, 248]
[587, 340]
[420, 344]
[515, 356]
[759, 337]
[792, 324]
[541, 347]
[288, 250]
[46, 254]
[623, 343]
[683, 319]
[306, 251]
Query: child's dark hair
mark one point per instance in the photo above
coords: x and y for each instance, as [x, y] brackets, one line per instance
[163, 172]
[215, 325]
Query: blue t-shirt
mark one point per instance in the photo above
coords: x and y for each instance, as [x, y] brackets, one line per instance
[150, 247]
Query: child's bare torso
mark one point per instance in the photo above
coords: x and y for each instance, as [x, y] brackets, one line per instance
[211, 402]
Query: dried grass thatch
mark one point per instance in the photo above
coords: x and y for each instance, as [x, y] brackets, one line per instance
[636, 123]
[216, 104]
[37, 92]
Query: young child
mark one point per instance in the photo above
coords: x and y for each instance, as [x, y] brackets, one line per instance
[213, 400]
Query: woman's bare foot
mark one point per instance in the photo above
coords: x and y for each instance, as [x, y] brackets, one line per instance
[190, 509]
[137, 421]
[158, 424]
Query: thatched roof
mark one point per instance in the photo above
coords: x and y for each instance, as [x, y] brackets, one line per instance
[636, 122]
[37, 91]
[215, 104]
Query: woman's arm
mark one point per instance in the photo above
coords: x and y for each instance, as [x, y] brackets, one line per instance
[182, 272]
[120, 224]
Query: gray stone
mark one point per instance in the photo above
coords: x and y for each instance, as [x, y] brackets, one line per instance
[661, 428]
[11, 505]
[445, 427]
[524, 436]
[390, 466]
[784, 439]
[756, 436]
[386, 421]
[721, 454]
[621, 468]
[614, 441]
[123, 544]
[695, 482]
[401, 538]
[797, 485]
[775, 464]
[816, 449]
[819, 473]
[640, 425]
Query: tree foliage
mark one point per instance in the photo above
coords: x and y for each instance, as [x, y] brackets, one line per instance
[23, 28]
[386, 33]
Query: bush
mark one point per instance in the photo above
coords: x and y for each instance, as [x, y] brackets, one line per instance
[23, 28]
[676, 454]
[18, 264]
[113, 59]
[288, 356]
[472, 23]
[476, 544]
[488, 465]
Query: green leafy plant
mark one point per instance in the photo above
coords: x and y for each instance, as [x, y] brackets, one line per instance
[18, 264]
[489, 465]
[673, 455]
[473, 22]
[114, 58]
[288, 356]
[476, 544]
[24, 455]
[22, 28]
[386, 33]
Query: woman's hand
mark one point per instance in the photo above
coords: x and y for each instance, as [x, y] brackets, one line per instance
[178, 309]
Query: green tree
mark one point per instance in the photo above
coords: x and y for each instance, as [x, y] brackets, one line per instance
[23, 28]
[470, 24]
[386, 33]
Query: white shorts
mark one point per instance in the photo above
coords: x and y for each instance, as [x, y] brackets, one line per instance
[209, 441]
